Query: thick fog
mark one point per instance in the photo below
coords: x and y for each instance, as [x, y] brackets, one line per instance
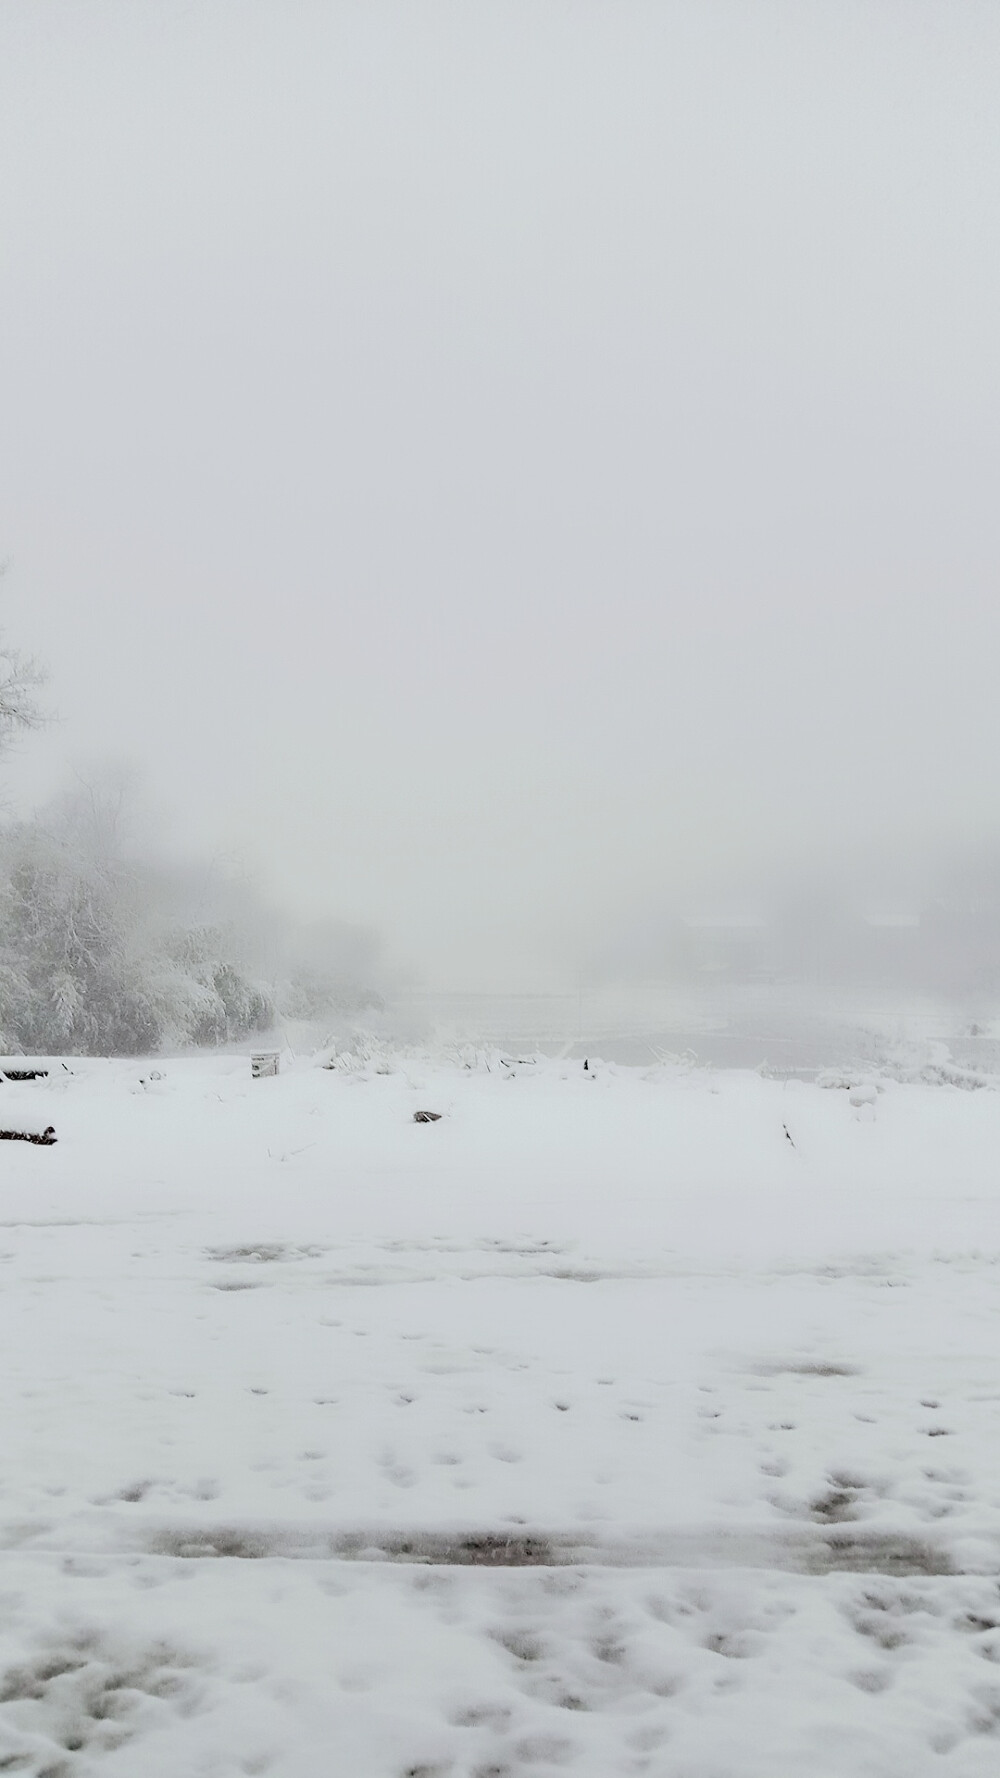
[512, 476]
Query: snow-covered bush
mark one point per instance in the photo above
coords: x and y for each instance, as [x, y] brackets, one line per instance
[204, 996]
[95, 960]
[363, 1053]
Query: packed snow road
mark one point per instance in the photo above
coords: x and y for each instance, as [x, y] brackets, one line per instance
[616, 1422]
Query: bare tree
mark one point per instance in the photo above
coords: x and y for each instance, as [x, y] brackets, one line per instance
[21, 678]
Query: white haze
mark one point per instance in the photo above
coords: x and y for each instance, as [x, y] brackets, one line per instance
[500, 470]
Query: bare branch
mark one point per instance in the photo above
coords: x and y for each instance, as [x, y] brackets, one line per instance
[21, 678]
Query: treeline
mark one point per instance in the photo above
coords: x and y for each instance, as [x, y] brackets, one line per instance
[106, 951]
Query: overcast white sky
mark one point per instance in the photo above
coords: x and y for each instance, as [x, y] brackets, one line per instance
[497, 465]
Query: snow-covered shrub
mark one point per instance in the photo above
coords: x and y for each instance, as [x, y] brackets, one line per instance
[363, 1053]
[90, 964]
[206, 998]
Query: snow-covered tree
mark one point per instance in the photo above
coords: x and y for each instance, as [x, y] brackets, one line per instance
[74, 978]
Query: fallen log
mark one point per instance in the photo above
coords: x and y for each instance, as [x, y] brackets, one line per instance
[43, 1138]
[24, 1074]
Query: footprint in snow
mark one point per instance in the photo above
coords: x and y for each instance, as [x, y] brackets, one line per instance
[398, 1474]
[505, 1454]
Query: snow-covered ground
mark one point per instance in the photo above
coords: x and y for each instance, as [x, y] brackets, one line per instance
[621, 1421]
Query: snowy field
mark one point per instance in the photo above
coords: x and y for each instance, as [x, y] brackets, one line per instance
[627, 1421]
[788, 1028]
